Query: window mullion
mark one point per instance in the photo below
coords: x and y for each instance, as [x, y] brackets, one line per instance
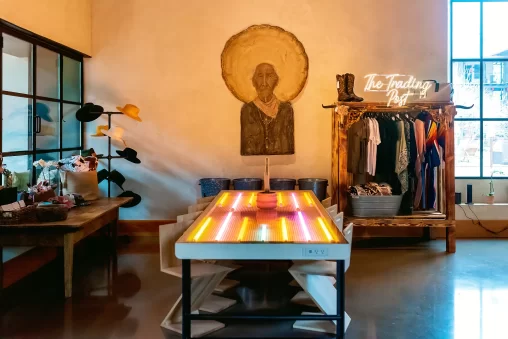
[34, 110]
[61, 104]
[481, 89]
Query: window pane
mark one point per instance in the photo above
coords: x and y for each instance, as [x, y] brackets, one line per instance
[495, 90]
[466, 85]
[47, 73]
[68, 154]
[49, 135]
[17, 124]
[495, 39]
[467, 148]
[21, 170]
[71, 79]
[466, 30]
[16, 65]
[71, 127]
[495, 148]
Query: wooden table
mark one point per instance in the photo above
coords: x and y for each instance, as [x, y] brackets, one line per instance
[232, 227]
[81, 222]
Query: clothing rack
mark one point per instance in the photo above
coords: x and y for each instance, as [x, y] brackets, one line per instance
[347, 113]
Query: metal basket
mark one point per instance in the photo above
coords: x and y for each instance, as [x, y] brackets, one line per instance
[248, 184]
[375, 205]
[282, 184]
[318, 186]
[212, 186]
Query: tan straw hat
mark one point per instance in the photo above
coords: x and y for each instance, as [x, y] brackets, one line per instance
[130, 110]
[98, 131]
[264, 44]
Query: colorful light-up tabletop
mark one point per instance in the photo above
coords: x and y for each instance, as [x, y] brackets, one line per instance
[232, 227]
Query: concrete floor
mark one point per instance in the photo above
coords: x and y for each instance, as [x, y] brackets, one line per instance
[412, 292]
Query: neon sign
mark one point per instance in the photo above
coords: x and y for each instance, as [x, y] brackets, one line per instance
[395, 84]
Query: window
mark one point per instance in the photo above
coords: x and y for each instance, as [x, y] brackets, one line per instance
[479, 73]
[41, 90]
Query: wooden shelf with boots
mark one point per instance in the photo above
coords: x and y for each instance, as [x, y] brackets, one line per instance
[346, 114]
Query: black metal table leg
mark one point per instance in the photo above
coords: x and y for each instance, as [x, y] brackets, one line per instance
[340, 285]
[186, 298]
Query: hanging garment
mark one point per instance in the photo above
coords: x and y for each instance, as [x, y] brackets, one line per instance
[369, 145]
[432, 160]
[374, 140]
[354, 135]
[387, 154]
[419, 169]
[441, 138]
[402, 157]
[406, 206]
[364, 144]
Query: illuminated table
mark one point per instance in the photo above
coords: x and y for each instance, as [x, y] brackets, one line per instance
[232, 227]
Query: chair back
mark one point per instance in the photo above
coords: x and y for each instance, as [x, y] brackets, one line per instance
[332, 210]
[168, 236]
[338, 220]
[348, 234]
[189, 216]
[204, 200]
[326, 202]
[197, 207]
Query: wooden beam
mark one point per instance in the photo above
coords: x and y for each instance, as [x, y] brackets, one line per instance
[334, 190]
[450, 186]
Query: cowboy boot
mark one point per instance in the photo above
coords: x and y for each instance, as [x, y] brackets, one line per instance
[350, 81]
[342, 88]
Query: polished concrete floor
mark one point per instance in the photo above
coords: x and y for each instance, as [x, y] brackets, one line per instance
[405, 292]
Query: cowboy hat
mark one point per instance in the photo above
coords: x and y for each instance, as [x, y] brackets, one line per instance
[114, 133]
[129, 194]
[130, 155]
[117, 178]
[102, 175]
[98, 132]
[89, 112]
[130, 110]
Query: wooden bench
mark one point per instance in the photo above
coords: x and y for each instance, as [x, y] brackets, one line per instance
[81, 222]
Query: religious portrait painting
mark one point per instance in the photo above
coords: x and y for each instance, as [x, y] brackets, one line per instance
[265, 67]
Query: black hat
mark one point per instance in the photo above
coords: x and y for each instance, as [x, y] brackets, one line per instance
[117, 178]
[129, 194]
[130, 155]
[85, 113]
[102, 175]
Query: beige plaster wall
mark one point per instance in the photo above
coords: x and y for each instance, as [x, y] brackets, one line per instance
[164, 56]
[65, 21]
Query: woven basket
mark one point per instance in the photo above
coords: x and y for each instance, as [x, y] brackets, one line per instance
[25, 215]
[52, 212]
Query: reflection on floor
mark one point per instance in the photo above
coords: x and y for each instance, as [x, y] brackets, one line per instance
[417, 292]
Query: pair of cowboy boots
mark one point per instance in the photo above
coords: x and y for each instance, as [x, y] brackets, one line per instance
[345, 88]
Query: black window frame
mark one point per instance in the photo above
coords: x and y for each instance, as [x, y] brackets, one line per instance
[63, 51]
[481, 61]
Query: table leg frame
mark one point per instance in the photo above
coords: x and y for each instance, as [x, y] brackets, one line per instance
[187, 317]
[186, 298]
[1, 270]
[341, 308]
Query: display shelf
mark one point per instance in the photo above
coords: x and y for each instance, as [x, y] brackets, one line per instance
[400, 222]
[346, 113]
